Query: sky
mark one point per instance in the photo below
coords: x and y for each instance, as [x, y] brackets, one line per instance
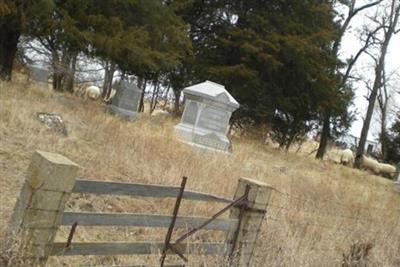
[350, 46]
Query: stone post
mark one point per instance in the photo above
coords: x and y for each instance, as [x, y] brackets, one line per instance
[40, 206]
[258, 198]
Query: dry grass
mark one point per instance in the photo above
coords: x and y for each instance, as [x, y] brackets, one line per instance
[318, 212]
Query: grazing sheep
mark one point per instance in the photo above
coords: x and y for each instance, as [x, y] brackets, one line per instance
[347, 157]
[87, 90]
[370, 164]
[93, 92]
[387, 170]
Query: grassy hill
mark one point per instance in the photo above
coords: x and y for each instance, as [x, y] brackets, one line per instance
[319, 208]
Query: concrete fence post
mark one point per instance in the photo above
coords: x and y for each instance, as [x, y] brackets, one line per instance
[39, 208]
[258, 198]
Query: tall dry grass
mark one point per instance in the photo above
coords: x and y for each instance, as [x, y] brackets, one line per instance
[317, 212]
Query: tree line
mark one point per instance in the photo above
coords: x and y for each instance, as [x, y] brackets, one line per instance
[279, 58]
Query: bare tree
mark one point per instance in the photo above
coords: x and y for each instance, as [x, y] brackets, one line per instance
[387, 24]
[352, 12]
[386, 107]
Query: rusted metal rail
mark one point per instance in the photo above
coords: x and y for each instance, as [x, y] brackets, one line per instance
[172, 225]
[71, 235]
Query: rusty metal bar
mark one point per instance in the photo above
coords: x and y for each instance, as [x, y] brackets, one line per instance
[191, 232]
[71, 235]
[177, 252]
[172, 225]
[243, 208]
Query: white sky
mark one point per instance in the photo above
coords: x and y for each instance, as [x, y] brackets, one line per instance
[350, 46]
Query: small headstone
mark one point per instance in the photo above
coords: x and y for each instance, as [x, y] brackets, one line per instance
[39, 75]
[53, 122]
[205, 119]
[126, 101]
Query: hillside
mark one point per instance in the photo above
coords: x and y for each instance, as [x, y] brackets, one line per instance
[318, 210]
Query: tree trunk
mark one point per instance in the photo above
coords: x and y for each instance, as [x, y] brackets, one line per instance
[70, 69]
[292, 136]
[177, 94]
[57, 81]
[105, 83]
[143, 82]
[166, 96]
[154, 97]
[8, 49]
[383, 100]
[323, 142]
[57, 71]
[108, 79]
[384, 134]
[370, 110]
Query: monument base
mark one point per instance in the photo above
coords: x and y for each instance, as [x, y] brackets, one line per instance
[201, 138]
[397, 186]
[123, 113]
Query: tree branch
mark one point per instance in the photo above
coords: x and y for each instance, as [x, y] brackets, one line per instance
[357, 10]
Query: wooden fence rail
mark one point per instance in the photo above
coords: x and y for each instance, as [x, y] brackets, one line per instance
[144, 220]
[141, 248]
[51, 179]
[140, 190]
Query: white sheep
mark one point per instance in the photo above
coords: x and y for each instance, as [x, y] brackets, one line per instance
[370, 164]
[347, 157]
[387, 170]
[93, 92]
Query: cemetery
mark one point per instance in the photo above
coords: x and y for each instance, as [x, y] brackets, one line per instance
[199, 133]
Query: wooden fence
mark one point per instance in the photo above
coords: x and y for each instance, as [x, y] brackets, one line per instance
[51, 178]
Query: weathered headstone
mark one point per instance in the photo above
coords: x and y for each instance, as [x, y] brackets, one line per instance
[53, 122]
[126, 101]
[38, 74]
[205, 119]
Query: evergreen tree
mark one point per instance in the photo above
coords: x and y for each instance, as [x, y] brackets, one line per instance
[15, 17]
[274, 57]
[204, 21]
[393, 142]
[143, 38]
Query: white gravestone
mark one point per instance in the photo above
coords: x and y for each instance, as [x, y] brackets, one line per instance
[126, 101]
[205, 119]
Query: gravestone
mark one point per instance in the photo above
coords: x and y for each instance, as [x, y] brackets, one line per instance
[38, 74]
[205, 119]
[126, 101]
[397, 178]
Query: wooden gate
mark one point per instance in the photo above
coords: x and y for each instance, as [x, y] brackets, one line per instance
[51, 179]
